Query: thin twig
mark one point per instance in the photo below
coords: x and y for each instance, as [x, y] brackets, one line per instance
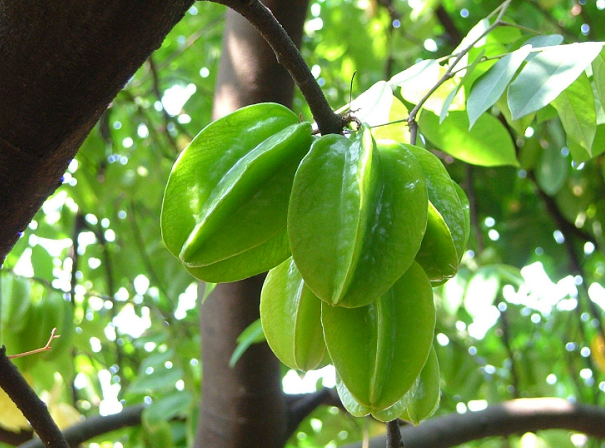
[33, 409]
[46, 348]
[449, 72]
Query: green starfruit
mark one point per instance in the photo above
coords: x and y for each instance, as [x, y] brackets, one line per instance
[426, 398]
[443, 194]
[380, 349]
[291, 318]
[437, 254]
[357, 216]
[225, 205]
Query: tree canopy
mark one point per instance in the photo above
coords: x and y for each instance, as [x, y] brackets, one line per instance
[518, 123]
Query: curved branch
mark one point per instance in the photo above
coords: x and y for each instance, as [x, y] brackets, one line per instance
[289, 56]
[15, 438]
[300, 408]
[96, 426]
[508, 418]
[34, 409]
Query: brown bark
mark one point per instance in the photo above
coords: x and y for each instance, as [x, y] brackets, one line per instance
[504, 419]
[244, 406]
[62, 64]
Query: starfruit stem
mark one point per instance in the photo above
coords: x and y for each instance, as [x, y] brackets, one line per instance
[394, 435]
[288, 55]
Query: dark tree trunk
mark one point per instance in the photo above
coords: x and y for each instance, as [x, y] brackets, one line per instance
[244, 406]
[62, 63]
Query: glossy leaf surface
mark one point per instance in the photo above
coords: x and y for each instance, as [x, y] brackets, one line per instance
[548, 74]
[487, 144]
[490, 87]
[379, 350]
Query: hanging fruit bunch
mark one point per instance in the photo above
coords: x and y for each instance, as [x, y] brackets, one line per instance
[355, 232]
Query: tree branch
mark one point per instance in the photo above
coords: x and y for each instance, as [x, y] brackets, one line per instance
[300, 408]
[394, 435]
[499, 420]
[62, 65]
[29, 404]
[96, 426]
[15, 438]
[289, 56]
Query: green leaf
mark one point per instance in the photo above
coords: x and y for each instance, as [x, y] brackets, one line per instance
[577, 112]
[552, 170]
[598, 76]
[252, 334]
[374, 105]
[421, 76]
[290, 315]
[548, 74]
[400, 132]
[549, 40]
[357, 216]
[518, 125]
[476, 31]
[490, 87]
[487, 144]
[379, 349]
[465, 79]
[160, 379]
[164, 409]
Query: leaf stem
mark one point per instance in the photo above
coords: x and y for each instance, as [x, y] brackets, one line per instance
[288, 55]
[500, 10]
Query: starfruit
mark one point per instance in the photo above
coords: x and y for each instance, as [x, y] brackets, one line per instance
[225, 205]
[291, 318]
[357, 216]
[425, 400]
[386, 415]
[380, 349]
[446, 234]
[437, 254]
[466, 208]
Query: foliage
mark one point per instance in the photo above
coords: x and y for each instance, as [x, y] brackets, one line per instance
[523, 316]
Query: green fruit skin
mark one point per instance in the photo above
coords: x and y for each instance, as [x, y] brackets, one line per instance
[291, 318]
[379, 350]
[443, 195]
[357, 217]
[466, 208]
[427, 396]
[227, 195]
[437, 254]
